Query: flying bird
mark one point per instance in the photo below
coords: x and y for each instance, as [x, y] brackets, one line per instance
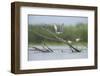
[55, 28]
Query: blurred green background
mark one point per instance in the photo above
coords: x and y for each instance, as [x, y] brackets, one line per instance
[70, 32]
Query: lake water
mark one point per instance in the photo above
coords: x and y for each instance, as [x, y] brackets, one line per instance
[59, 52]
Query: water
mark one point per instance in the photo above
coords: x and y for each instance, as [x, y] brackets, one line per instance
[59, 52]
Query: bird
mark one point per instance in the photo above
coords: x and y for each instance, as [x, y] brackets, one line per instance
[55, 28]
[69, 41]
[77, 40]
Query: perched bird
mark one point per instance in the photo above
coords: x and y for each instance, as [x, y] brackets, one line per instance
[78, 39]
[69, 41]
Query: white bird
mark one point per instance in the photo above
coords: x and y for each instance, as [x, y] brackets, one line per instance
[69, 41]
[58, 32]
[78, 39]
[55, 28]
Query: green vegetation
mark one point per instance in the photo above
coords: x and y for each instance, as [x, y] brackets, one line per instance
[70, 32]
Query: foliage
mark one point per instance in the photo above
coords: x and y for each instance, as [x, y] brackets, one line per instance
[70, 32]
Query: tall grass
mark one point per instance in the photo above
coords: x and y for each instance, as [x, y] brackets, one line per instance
[70, 32]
